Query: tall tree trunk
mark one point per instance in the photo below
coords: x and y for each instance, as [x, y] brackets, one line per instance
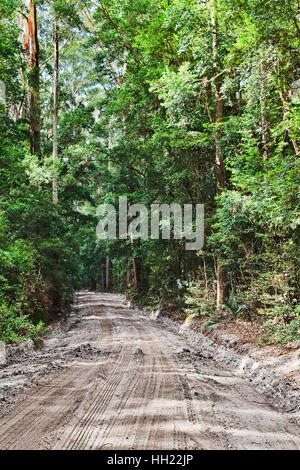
[102, 277]
[219, 163]
[219, 104]
[55, 115]
[137, 270]
[31, 44]
[205, 274]
[109, 285]
[129, 274]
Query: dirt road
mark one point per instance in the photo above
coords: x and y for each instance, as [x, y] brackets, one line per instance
[112, 379]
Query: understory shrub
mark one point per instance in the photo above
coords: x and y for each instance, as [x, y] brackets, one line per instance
[16, 328]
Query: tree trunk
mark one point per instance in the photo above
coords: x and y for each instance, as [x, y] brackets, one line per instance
[129, 274]
[137, 269]
[205, 273]
[220, 167]
[219, 104]
[108, 275]
[219, 163]
[102, 278]
[55, 115]
[93, 284]
[31, 44]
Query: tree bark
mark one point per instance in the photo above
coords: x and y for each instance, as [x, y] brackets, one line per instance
[31, 44]
[102, 277]
[55, 115]
[129, 274]
[219, 104]
[137, 269]
[205, 273]
[108, 283]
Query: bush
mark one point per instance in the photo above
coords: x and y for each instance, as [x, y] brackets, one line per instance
[199, 302]
[277, 332]
[15, 328]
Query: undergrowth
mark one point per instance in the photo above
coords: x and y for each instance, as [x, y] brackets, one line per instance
[16, 328]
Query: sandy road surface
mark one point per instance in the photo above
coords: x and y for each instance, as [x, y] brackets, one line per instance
[120, 381]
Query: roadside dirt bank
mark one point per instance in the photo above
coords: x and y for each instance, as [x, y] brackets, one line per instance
[272, 372]
[112, 378]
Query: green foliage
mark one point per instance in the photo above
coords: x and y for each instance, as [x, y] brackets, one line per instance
[16, 328]
[276, 332]
[200, 302]
[138, 117]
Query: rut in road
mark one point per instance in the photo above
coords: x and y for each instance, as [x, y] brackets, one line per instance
[134, 385]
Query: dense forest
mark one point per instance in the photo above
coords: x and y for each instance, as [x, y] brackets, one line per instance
[192, 101]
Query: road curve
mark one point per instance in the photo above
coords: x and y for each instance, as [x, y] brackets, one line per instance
[124, 382]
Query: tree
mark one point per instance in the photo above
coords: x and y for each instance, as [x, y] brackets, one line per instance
[186, 101]
[55, 112]
[31, 44]
[220, 166]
